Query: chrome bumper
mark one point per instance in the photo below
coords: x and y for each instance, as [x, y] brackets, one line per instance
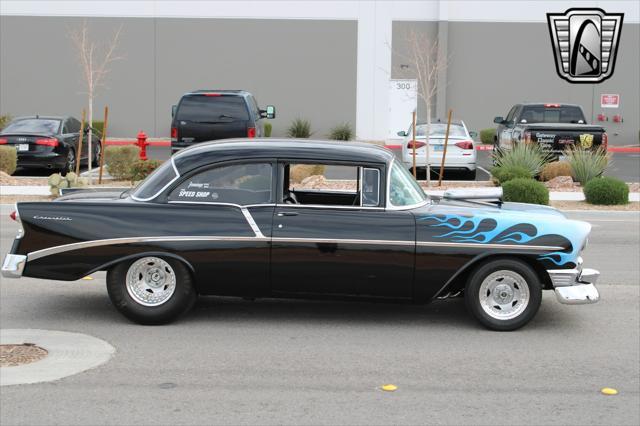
[575, 286]
[13, 265]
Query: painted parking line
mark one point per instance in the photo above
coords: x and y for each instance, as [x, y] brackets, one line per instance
[484, 170]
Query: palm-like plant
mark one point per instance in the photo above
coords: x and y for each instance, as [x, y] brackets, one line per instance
[299, 128]
[529, 156]
[587, 164]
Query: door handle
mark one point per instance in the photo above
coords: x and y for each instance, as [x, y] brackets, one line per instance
[282, 214]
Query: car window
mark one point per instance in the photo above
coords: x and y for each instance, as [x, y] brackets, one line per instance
[370, 183]
[73, 125]
[403, 189]
[33, 125]
[254, 106]
[543, 114]
[212, 109]
[440, 129]
[512, 112]
[241, 184]
[157, 181]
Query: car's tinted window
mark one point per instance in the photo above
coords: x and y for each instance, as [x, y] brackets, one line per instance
[33, 125]
[201, 108]
[404, 190]
[236, 184]
[370, 187]
[254, 106]
[73, 125]
[440, 129]
[155, 182]
[512, 112]
[542, 114]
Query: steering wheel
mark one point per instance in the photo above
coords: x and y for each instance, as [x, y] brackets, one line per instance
[290, 198]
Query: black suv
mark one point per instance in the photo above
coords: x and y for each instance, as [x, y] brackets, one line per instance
[205, 115]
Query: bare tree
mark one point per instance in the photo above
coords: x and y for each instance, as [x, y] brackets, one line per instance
[425, 63]
[95, 61]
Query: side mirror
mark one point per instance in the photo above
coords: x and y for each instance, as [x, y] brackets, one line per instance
[402, 133]
[269, 113]
[173, 110]
[498, 120]
[473, 134]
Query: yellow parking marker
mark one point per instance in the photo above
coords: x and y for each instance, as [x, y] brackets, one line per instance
[388, 388]
[608, 391]
[88, 277]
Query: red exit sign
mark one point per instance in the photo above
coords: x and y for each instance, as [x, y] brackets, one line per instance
[609, 101]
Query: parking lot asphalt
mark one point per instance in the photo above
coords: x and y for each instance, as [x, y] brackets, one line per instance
[296, 362]
[625, 166]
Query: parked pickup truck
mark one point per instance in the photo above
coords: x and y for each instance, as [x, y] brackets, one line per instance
[554, 126]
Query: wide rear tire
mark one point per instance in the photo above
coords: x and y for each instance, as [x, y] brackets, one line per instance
[151, 290]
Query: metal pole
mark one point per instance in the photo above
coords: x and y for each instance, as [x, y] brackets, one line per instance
[413, 143]
[79, 153]
[444, 152]
[103, 144]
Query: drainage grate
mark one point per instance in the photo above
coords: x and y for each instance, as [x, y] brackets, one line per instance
[15, 355]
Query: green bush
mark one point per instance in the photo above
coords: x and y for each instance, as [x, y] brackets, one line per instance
[607, 191]
[267, 130]
[529, 156]
[8, 159]
[141, 169]
[555, 169]
[522, 190]
[58, 182]
[120, 161]
[487, 136]
[299, 128]
[507, 173]
[587, 164]
[4, 120]
[341, 132]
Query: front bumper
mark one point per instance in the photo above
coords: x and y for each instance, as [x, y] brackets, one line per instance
[13, 265]
[575, 286]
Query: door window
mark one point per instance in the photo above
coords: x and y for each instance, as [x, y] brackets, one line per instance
[370, 187]
[241, 184]
[403, 189]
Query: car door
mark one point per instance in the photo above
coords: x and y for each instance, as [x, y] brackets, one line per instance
[322, 246]
[71, 133]
[506, 134]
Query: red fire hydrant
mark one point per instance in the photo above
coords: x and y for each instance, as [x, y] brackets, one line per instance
[142, 144]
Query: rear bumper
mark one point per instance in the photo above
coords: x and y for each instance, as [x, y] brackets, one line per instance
[13, 265]
[42, 160]
[575, 286]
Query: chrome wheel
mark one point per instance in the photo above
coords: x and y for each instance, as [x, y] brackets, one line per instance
[504, 295]
[150, 281]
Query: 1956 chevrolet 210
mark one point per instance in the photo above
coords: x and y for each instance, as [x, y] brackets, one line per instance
[231, 218]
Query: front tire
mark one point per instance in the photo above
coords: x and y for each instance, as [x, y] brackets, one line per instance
[503, 294]
[151, 290]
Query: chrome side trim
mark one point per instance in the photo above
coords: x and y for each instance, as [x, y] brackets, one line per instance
[492, 246]
[252, 223]
[342, 241]
[580, 294]
[13, 265]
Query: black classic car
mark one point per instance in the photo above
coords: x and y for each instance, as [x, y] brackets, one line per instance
[49, 142]
[235, 219]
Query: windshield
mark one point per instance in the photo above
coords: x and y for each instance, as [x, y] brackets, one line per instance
[212, 109]
[542, 114]
[439, 130]
[403, 188]
[33, 125]
[155, 182]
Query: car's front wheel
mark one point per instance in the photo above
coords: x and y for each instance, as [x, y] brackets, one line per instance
[151, 290]
[503, 294]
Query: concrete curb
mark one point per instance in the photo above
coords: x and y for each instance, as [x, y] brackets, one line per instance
[69, 354]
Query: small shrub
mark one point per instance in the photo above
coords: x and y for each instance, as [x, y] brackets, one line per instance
[507, 173]
[487, 136]
[4, 120]
[587, 164]
[267, 130]
[607, 191]
[300, 171]
[522, 190]
[529, 156]
[58, 182]
[8, 159]
[341, 132]
[141, 169]
[299, 128]
[555, 169]
[120, 161]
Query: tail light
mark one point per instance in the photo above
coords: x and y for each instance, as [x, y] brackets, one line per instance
[13, 215]
[212, 94]
[526, 136]
[47, 142]
[552, 105]
[251, 132]
[464, 144]
[417, 144]
[174, 133]
[605, 141]
[3, 141]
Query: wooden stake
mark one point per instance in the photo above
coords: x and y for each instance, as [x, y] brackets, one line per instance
[103, 144]
[79, 153]
[413, 142]
[444, 152]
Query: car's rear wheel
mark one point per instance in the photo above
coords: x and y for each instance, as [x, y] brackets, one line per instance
[503, 294]
[151, 290]
[70, 163]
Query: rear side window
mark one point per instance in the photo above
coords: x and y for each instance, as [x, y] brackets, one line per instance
[156, 182]
[72, 126]
[241, 184]
[542, 114]
[212, 109]
[33, 125]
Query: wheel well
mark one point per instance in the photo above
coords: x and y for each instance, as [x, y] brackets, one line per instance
[460, 280]
[112, 263]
